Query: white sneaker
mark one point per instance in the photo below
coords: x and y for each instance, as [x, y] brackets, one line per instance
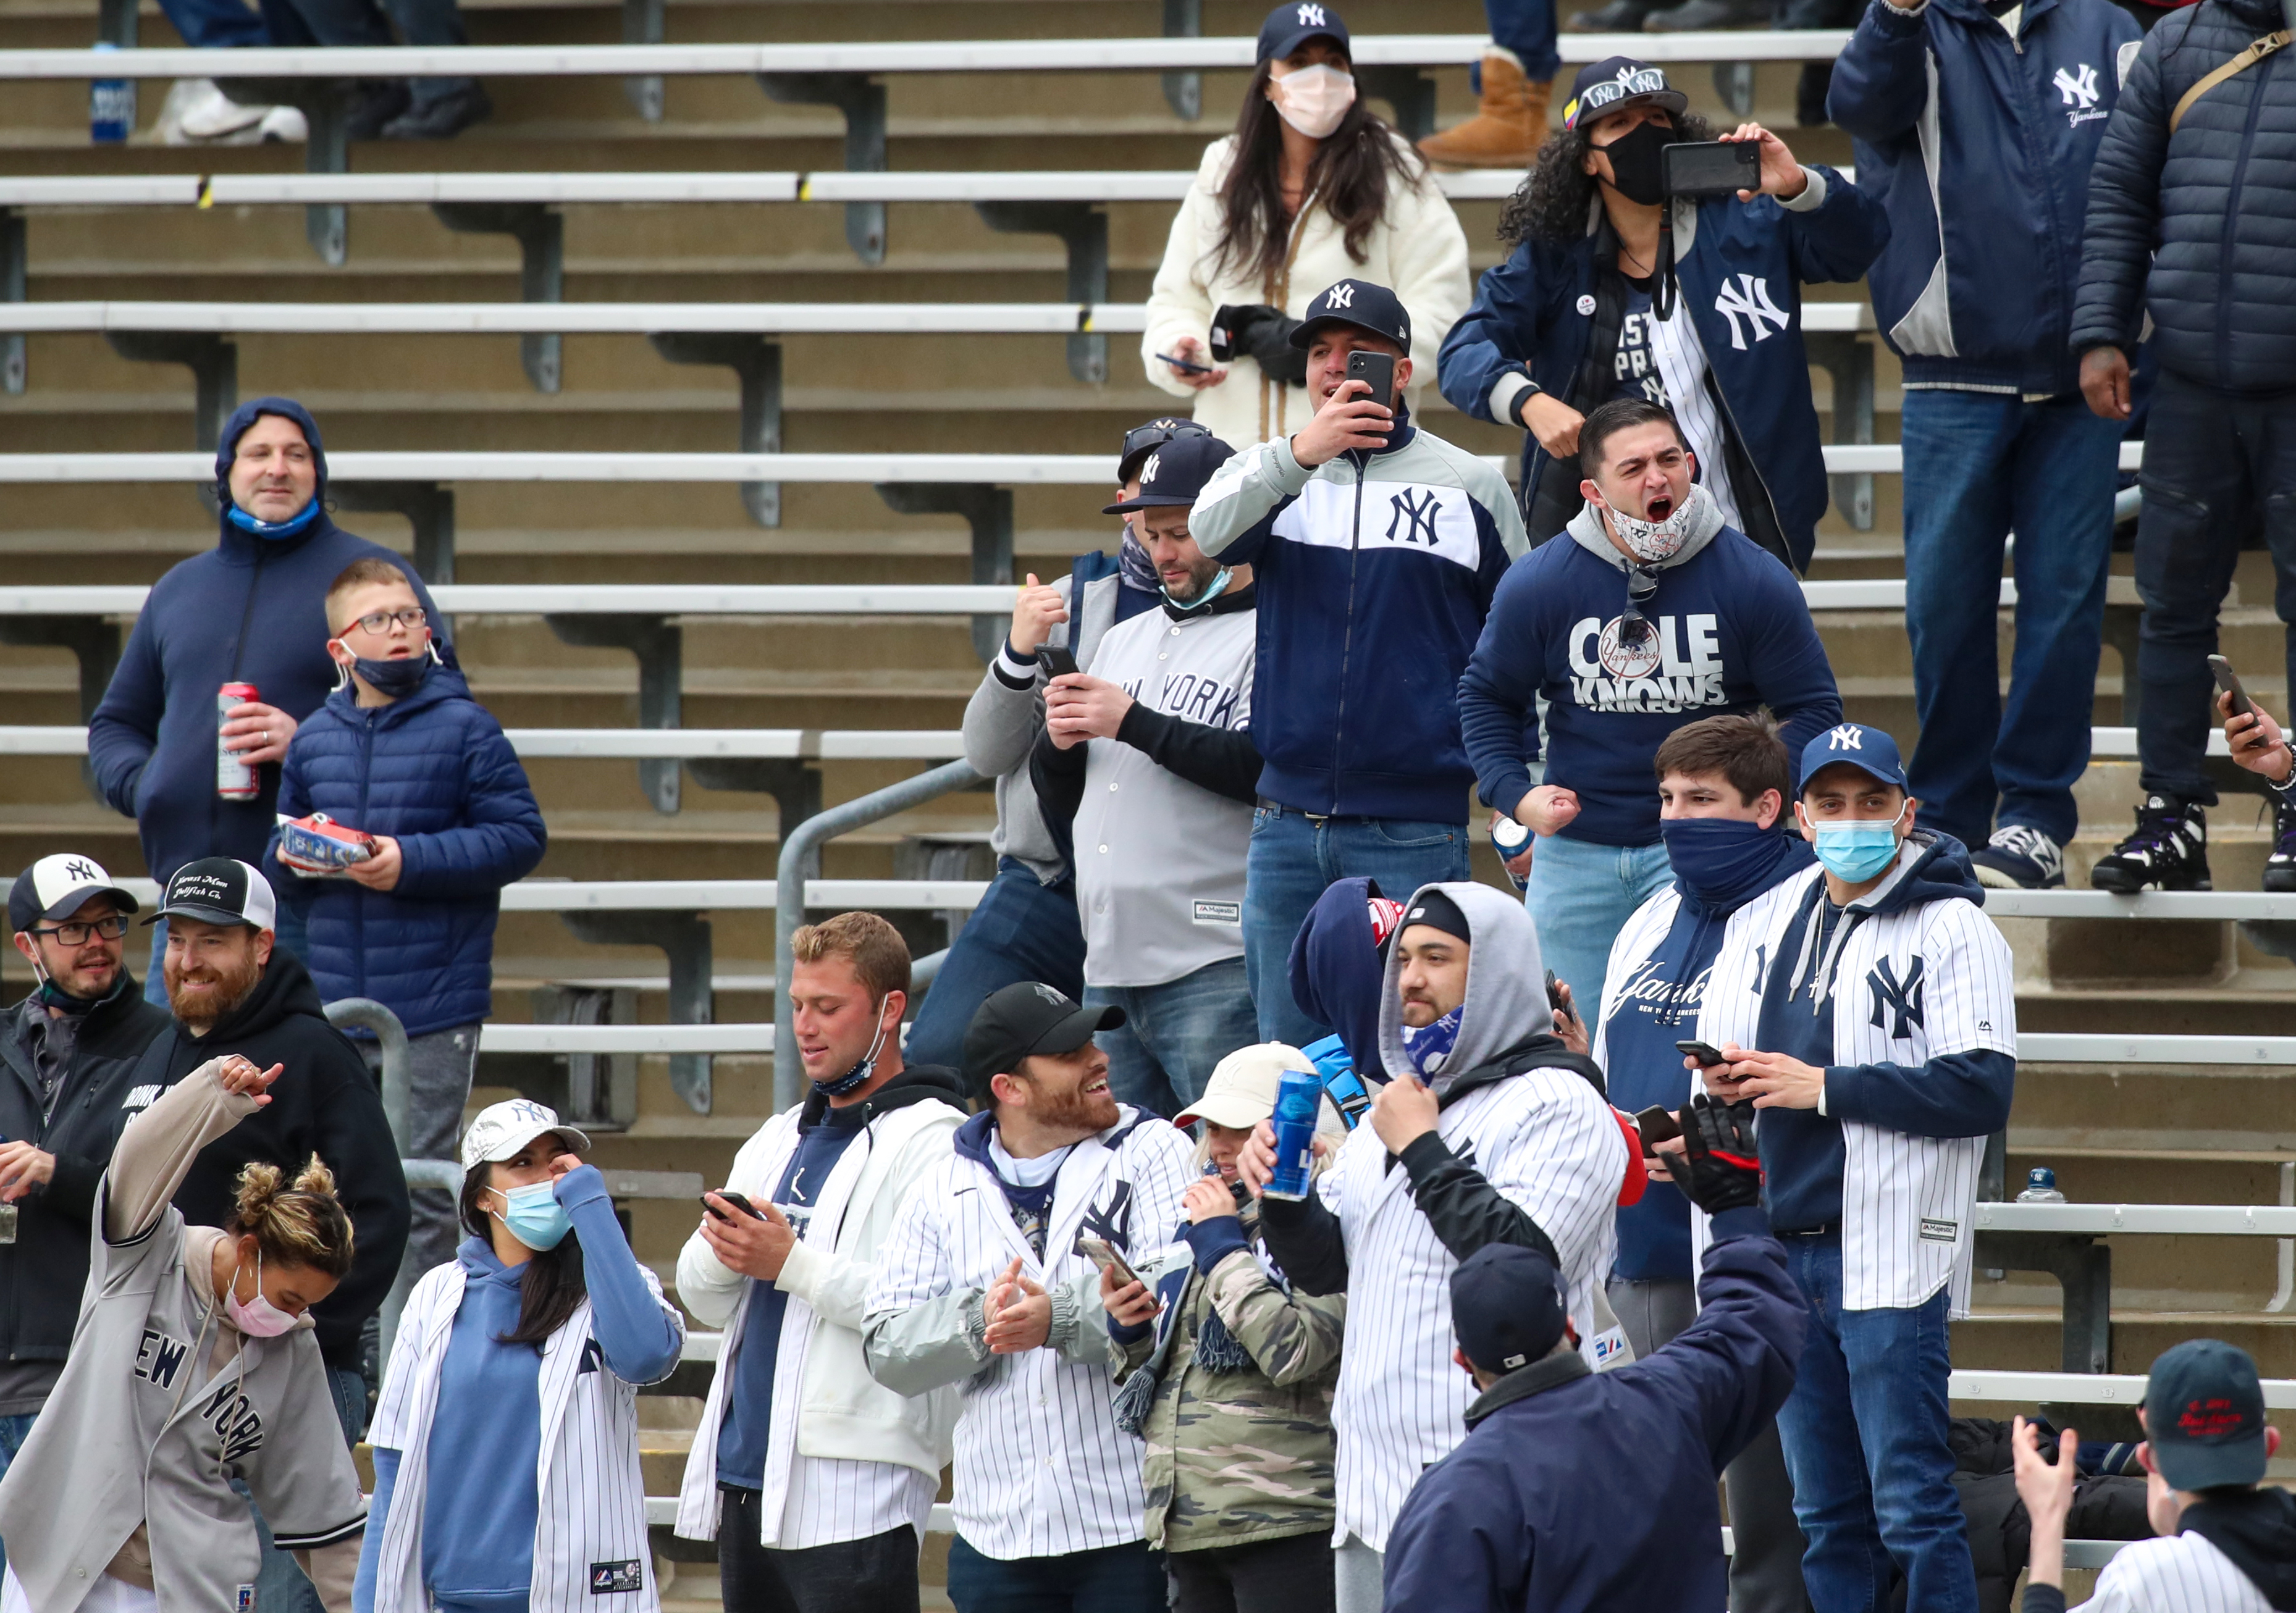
[285, 125]
[208, 117]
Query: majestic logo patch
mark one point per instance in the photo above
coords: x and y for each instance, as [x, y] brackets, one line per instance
[1750, 296]
[1414, 513]
[1217, 913]
[1899, 999]
[610, 1578]
[1940, 1231]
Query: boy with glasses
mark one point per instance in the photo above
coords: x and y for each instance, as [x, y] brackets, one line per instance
[402, 755]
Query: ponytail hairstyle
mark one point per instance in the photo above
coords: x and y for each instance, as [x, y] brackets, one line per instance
[301, 1225]
[1350, 178]
[552, 1288]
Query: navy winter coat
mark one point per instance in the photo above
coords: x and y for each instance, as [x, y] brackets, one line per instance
[250, 610]
[433, 770]
[1553, 312]
[1595, 1491]
[1980, 145]
[2199, 229]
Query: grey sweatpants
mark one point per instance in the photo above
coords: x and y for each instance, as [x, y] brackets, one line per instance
[1765, 1568]
[438, 1068]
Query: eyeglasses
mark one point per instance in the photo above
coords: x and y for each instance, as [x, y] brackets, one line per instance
[379, 621]
[76, 934]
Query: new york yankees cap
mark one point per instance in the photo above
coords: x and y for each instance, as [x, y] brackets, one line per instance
[499, 1131]
[1616, 82]
[1506, 1306]
[1861, 747]
[1364, 304]
[219, 891]
[1024, 1019]
[2204, 1415]
[1143, 440]
[1292, 24]
[57, 887]
[1176, 473]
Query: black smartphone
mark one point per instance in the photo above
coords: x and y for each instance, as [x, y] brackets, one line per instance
[1377, 368]
[1706, 1053]
[736, 1199]
[1184, 367]
[1055, 659]
[1656, 1127]
[2228, 680]
[1711, 168]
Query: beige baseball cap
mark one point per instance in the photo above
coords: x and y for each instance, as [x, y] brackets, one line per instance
[1241, 1091]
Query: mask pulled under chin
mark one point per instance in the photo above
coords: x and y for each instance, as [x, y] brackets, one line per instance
[1635, 173]
[1430, 1044]
[289, 528]
[258, 1318]
[394, 680]
[1314, 99]
[1652, 541]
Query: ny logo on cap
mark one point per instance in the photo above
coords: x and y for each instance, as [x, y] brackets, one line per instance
[531, 1112]
[1148, 470]
[77, 870]
[1849, 736]
[1342, 295]
[1051, 995]
[1311, 16]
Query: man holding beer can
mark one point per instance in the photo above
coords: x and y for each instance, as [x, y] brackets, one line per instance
[228, 656]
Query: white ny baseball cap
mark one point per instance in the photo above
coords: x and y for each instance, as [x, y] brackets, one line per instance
[57, 887]
[501, 1129]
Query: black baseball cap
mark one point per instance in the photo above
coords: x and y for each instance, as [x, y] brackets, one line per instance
[1616, 82]
[219, 891]
[1292, 24]
[1438, 911]
[1024, 1019]
[2204, 1415]
[57, 887]
[1176, 473]
[1506, 1306]
[1143, 440]
[1362, 303]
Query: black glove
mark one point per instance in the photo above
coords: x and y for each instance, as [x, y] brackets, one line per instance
[1263, 334]
[1720, 1168]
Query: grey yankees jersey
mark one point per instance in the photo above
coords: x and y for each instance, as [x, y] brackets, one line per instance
[1547, 1142]
[2182, 1574]
[1908, 986]
[1042, 1470]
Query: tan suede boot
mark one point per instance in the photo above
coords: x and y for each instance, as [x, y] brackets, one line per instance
[1505, 132]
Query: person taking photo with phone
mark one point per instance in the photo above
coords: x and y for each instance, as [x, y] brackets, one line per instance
[1692, 302]
[815, 1481]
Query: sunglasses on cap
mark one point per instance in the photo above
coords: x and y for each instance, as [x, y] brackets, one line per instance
[1155, 434]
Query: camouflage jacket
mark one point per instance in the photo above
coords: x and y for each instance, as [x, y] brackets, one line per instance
[1243, 1454]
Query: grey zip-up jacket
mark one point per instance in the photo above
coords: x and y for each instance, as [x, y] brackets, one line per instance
[140, 1431]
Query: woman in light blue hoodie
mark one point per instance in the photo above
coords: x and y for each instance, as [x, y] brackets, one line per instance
[505, 1440]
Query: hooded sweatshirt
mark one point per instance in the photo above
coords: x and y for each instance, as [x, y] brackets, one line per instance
[1729, 632]
[325, 1103]
[1336, 967]
[251, 610]
[2258, 1531]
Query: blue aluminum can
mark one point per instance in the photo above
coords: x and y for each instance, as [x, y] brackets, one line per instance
[110, 107]
[1299, 1104]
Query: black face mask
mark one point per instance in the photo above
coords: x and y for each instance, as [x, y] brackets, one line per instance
[1635, 169]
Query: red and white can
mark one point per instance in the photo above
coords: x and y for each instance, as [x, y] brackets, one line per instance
[234, 778]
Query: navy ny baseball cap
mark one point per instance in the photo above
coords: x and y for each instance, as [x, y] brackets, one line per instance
[1292, 24]
[2204, 1415]
[1361, 303]
[57, 887]
[1143, 440]
[1868, 749]
[1506, 1306]
[1176, 473]
[1616, 82]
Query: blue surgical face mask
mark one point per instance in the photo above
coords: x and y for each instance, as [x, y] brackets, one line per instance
[1857, 849]
[533, 1215]
[392, 680]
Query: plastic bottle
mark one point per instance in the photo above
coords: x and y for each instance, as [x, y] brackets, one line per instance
[2040, 1187]
[111, 106]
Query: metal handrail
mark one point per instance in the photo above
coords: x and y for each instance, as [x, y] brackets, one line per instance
[801, 855]
[368, 1014]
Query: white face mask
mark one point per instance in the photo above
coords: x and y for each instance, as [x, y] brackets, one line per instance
[1652, 541]
[1314, 99]
[258, 1318]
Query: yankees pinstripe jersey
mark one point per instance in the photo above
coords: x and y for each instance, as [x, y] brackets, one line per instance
[1042, 1470]
[1914, 975]
[2183, 1573]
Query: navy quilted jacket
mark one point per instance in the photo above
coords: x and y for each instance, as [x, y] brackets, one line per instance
[2199, 228]
[434, 770]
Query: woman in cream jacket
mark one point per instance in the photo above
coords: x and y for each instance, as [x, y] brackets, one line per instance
[1310, 189]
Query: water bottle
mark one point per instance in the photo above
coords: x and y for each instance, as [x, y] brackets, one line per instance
[2040, 1187]
[111, 106]
[1299, 1104]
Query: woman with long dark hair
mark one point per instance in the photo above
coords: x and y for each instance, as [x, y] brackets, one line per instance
[520, 1358]
[1310, 189]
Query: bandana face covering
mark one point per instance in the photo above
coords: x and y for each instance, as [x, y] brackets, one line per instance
[1132, 561]
[1652, 541]
[275, 529]
[1314, 99]
[1430, 1044]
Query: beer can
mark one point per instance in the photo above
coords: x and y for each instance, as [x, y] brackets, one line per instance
[234, 778]
[111, 106]
[1299, 1104]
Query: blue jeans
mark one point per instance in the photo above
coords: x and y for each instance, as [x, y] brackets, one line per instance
[1114, 1579]
[1885, 1495]
[291, 930]
[1977, 466]
[1162, 1055]
[1580, 895]
[15, 1429]
[1526, 27]
[215, 24]
[361, 22]
[1292, 858]
[1022, 930]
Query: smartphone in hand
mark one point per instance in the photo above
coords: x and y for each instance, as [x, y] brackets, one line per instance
[1104, 1255]
[2228, 680]
[1057, 659]
[737, 1200]
[1377, 369]
[1707, 1054]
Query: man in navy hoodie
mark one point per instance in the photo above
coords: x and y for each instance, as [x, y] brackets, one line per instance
[1977, 122]
[250, 610]
[1647, 613]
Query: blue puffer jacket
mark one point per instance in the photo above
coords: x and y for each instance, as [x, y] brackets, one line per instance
[434, 770]
[1980, 145]
[2199, 228]
[249, 610]
[1553, 312]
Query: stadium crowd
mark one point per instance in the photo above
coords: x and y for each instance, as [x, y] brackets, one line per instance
[1257, 1211]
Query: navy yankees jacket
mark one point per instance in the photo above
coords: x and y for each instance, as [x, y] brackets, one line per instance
[1577, 1490]
[434, 770]
[1980, 146]
[1553, 312]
